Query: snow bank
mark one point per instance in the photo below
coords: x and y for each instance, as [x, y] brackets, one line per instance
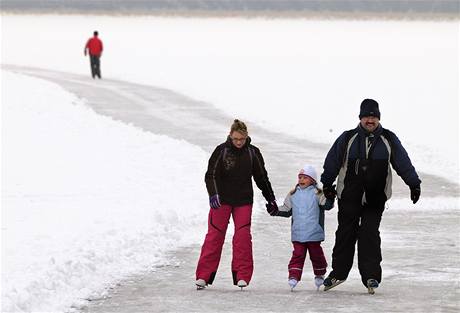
[86, 200]
[305, 78]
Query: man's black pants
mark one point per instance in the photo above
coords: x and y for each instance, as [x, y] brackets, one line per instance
[95, 65]
[359, 223]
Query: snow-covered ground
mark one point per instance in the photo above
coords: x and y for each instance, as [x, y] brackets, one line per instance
[305, 78]
[90, 200]
[85, 199]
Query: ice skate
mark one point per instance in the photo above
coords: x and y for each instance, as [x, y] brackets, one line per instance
[319, 280]
[200, 284]
[241, 283]
[371, 285]
[292, 283]
[331, 282]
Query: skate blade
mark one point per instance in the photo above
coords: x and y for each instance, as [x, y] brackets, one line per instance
[370, 290]
[326, 288]
[200, 287]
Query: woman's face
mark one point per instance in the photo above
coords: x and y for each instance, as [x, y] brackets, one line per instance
[238, 139]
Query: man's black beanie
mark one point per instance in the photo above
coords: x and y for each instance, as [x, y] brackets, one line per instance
[369, 107]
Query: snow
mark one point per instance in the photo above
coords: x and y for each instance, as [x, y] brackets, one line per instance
[305, 78]
[100, 200]
[97, 201]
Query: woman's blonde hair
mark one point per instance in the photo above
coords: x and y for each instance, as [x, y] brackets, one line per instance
[239, 126]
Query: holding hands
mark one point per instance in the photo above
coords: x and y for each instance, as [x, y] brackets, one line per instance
[329, 192]
[272, 208]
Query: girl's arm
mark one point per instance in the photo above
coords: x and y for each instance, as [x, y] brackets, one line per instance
[285, 210]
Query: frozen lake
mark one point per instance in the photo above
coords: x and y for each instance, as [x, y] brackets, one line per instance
[261, 7]
[171, 88]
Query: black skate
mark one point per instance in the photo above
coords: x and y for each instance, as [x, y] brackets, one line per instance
[331, 282]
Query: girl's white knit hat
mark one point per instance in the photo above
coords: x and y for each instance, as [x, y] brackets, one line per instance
[309, 171]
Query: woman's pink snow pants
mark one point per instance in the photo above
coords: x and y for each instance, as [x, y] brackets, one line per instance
[242, 262]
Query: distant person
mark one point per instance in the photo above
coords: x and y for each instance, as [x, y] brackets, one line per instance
[306, 204]
[229, 183]
[94, 47]
[361, 158]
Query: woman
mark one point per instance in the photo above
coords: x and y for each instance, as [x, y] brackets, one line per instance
[229, 185]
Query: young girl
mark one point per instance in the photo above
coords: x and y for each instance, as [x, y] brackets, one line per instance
[306, 204]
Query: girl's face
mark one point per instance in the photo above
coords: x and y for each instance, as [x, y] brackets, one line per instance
[305, 181]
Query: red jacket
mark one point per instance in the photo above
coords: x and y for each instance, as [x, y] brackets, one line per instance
[94, 45]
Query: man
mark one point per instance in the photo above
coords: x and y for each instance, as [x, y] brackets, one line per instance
[361, 159]
[94, 47]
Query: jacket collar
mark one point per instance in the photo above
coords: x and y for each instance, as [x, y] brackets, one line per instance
[377, 132]
[307, 188]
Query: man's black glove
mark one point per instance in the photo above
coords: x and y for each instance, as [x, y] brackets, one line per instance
[329, 192]
[272, 208]
[415, 193]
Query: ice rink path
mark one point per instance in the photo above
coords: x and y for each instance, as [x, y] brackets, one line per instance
[420, 248]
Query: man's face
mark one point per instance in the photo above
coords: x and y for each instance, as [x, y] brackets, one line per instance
[370, 123]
